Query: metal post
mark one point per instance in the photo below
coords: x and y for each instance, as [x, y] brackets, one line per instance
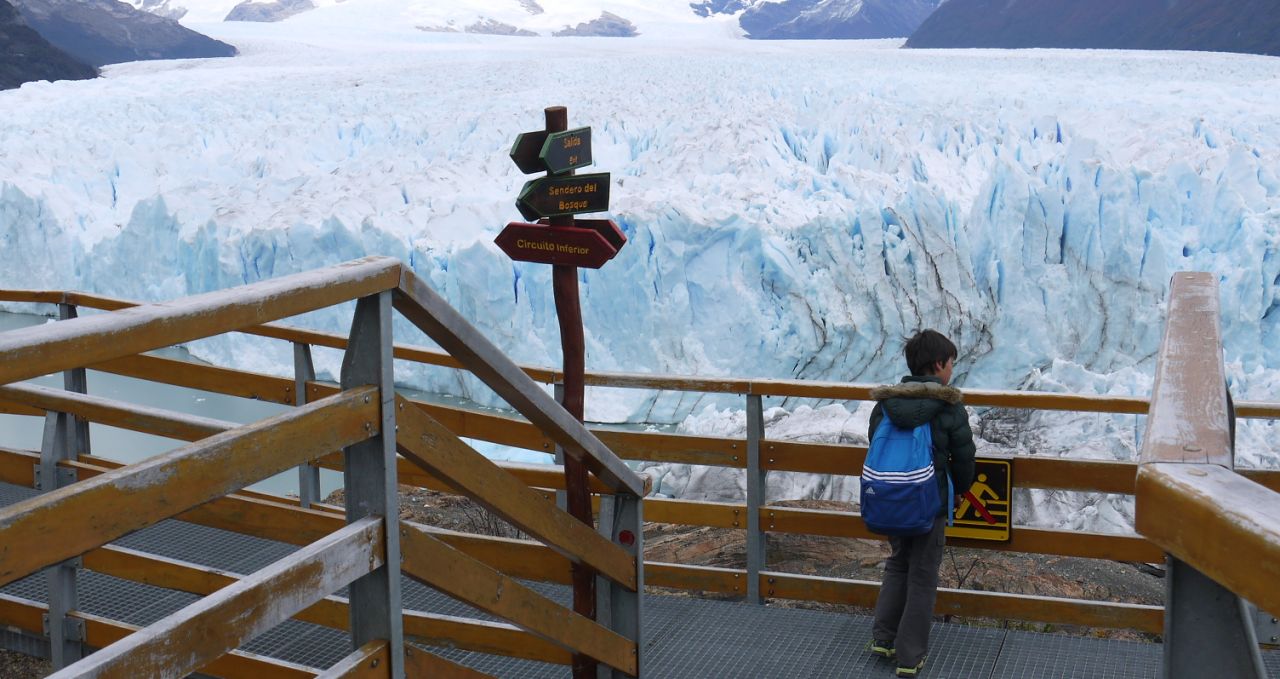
[1208, 630]
[623, 523]
[756, 539]
[604, 587]
[370, 481]
[75, 380]
[65, 634]
[1265, 626]
[304, 371]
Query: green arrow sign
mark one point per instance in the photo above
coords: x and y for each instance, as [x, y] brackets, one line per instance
[564, 151]
[555, 196]
[526, 150]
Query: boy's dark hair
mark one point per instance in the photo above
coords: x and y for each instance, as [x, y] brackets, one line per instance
[927, 349]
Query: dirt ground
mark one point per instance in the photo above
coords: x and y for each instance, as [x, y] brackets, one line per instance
[18, 666]
[963, 568]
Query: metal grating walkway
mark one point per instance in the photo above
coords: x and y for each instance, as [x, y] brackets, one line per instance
[684, 637]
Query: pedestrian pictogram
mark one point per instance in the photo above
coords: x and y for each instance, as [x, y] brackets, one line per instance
[984, 510]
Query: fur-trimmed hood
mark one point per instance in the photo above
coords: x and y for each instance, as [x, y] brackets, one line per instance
[932, 390]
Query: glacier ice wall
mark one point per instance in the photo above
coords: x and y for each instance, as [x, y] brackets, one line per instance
[793, 210]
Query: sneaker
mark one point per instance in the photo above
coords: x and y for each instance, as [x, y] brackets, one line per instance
[912, 671]
[883, 649]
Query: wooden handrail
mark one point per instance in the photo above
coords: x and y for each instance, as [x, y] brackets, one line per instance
[436, 564]
[77, 342]
[144, 419]
[332, 611]
[67, 522]
[17, 467]
[197, 634]
[785, 519]
[532, 561]
[1189, 501]
[794, 520]
[431, 446]
[362, 663]
[1034, 471]
[1188, 419]
[420, 663]
[23, 614]
[417, 302]
[969, 603]
[1137, 405]
[153, 323]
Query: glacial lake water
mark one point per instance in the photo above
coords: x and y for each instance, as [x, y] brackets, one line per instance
[25, 432]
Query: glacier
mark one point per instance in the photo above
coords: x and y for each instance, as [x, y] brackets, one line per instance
[793, 210]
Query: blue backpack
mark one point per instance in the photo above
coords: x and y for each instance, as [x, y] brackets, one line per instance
[899, 492]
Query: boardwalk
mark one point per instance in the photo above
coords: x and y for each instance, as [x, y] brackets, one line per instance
[684, 637]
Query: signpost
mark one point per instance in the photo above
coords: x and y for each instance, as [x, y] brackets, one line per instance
[569, 150]
[554, 152]
[561, 195]
[563, 245]
[566, 243]
[984, 512]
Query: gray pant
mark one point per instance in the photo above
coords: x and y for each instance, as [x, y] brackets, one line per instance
[904, 609]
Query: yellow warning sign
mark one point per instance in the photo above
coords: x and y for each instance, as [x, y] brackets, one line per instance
[984, 511]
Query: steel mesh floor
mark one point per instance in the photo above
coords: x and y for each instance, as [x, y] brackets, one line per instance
[684, 637]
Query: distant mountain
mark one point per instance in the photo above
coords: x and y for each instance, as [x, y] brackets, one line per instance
[101, 32]
[1251, 26]
[608, 25]
[822, 19]
[760, 19]
[161, 7]
[276, 10]
[25, 56]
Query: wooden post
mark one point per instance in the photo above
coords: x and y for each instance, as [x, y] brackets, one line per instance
[564, 281]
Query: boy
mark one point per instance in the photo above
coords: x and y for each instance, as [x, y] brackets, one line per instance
[904, 609]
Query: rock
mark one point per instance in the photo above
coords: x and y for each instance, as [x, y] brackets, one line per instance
[609, 25]
[491, 27]
[277, 10]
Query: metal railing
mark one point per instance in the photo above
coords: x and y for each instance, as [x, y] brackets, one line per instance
[66, 528]
[755, 454]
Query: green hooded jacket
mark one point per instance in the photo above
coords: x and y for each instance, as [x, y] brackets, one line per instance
[917, 400]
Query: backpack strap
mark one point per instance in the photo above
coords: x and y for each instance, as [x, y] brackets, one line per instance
[951, 501]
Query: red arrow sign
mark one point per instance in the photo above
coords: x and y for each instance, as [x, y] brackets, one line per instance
[606, 227]
[566, 245]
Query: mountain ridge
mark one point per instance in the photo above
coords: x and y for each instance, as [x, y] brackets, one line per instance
[834, 19]
[25, 56]
[1248, 26]
[101, 32]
